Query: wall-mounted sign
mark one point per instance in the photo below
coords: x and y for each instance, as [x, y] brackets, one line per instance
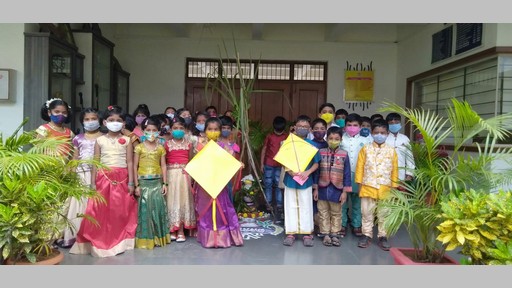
[4, 84]
[469, 36]
[442, 44]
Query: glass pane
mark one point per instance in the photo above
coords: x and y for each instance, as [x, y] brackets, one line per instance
[203, 69]
[308, 72]
[274, 71]
[231, 70]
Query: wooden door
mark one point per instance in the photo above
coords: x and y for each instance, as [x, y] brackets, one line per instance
[307, 98]
[281, 98]
[274, 101]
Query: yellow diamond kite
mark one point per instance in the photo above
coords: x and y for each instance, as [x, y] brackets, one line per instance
[295, 153]
[212, 168]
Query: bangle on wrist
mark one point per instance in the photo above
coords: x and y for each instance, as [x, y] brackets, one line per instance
[130, 184]
[165, 184]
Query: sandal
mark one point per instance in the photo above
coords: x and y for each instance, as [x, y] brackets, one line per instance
[173, 236]
[335, 241]
[327, 240]
[181, 238]
[289, 240]
[308, 240]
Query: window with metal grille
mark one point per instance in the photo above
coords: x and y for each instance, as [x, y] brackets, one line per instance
[486, 86]
[267, 70]
[203, 69]
[308, 72]
[274, 71]
[231, 70]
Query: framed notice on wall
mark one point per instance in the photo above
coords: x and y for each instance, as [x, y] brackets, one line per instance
[4, 84]
[442, 44]
[358, 86]
[469, 36]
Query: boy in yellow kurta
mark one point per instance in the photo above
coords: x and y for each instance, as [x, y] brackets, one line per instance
[376, 174]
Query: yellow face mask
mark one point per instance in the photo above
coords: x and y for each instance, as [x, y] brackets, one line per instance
[328, 117]
[213, 135]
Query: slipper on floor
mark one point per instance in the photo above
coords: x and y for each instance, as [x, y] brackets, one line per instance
[181, 238]
[289, 240]
[173, 236]
[308, 240]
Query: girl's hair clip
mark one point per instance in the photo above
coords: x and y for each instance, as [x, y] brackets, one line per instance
[48, 102]
[110, 108]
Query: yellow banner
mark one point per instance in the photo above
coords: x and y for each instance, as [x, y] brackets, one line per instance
[358, 86]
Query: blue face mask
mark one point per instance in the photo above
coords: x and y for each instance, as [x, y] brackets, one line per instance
[379, 138]
[340, 122]
[200, 127]
[58, 119]
[364, 132]
[188, 120]
[225, 133]
[178, 134]
[394, 128]
[302, 132]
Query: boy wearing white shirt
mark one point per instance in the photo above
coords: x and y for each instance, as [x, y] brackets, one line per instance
[352, 142]
[401, 143]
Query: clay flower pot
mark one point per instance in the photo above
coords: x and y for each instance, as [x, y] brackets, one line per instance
[54, 259]
[403, 256]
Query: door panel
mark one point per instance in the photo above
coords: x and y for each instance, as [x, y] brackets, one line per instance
[284, 98]
[307, 98]
[275, 101]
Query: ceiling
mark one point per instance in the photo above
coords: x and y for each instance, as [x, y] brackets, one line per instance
[326, 32]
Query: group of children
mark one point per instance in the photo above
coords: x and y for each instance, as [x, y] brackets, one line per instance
[151, 200]
[359, 160]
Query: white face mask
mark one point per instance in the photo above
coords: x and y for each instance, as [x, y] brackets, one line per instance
[114, 126]
[170, 115]
[91, 125]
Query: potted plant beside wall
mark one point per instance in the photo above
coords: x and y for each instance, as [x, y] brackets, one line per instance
[34, 187]
[417, 206]
[480, 223]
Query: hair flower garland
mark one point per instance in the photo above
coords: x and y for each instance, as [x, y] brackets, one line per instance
[48, 102]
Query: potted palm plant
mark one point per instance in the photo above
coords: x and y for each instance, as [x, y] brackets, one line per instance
[417, 205]
[34, 187]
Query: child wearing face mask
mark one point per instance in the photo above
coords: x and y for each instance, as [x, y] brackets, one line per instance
[233, 148]
[376, 174]
[366, 125]
[117, 218]
[270, 168]
[298, 198]
[150, 175]
[326, 113]
[331, 187]
[83, 145]
[319, 127]
[339, 117]
[140, 113]
[228, 228]
[57, 113]
[402, 145]
[180, 200]
[352, 143]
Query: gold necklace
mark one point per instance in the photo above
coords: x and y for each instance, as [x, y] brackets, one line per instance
[61, 129]
[112, 140]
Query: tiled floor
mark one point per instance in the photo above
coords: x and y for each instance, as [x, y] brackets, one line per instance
[267, 250]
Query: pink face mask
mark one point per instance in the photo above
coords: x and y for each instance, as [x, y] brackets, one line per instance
[352, 130]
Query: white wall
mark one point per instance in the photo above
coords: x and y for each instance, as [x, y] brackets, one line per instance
[12, 49]
[157, 63]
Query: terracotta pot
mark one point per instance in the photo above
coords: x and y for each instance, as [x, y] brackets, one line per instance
[403, 256]
[55, 258]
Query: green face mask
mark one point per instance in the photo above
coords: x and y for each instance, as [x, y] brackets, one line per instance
[333, 144]
[340, 122]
